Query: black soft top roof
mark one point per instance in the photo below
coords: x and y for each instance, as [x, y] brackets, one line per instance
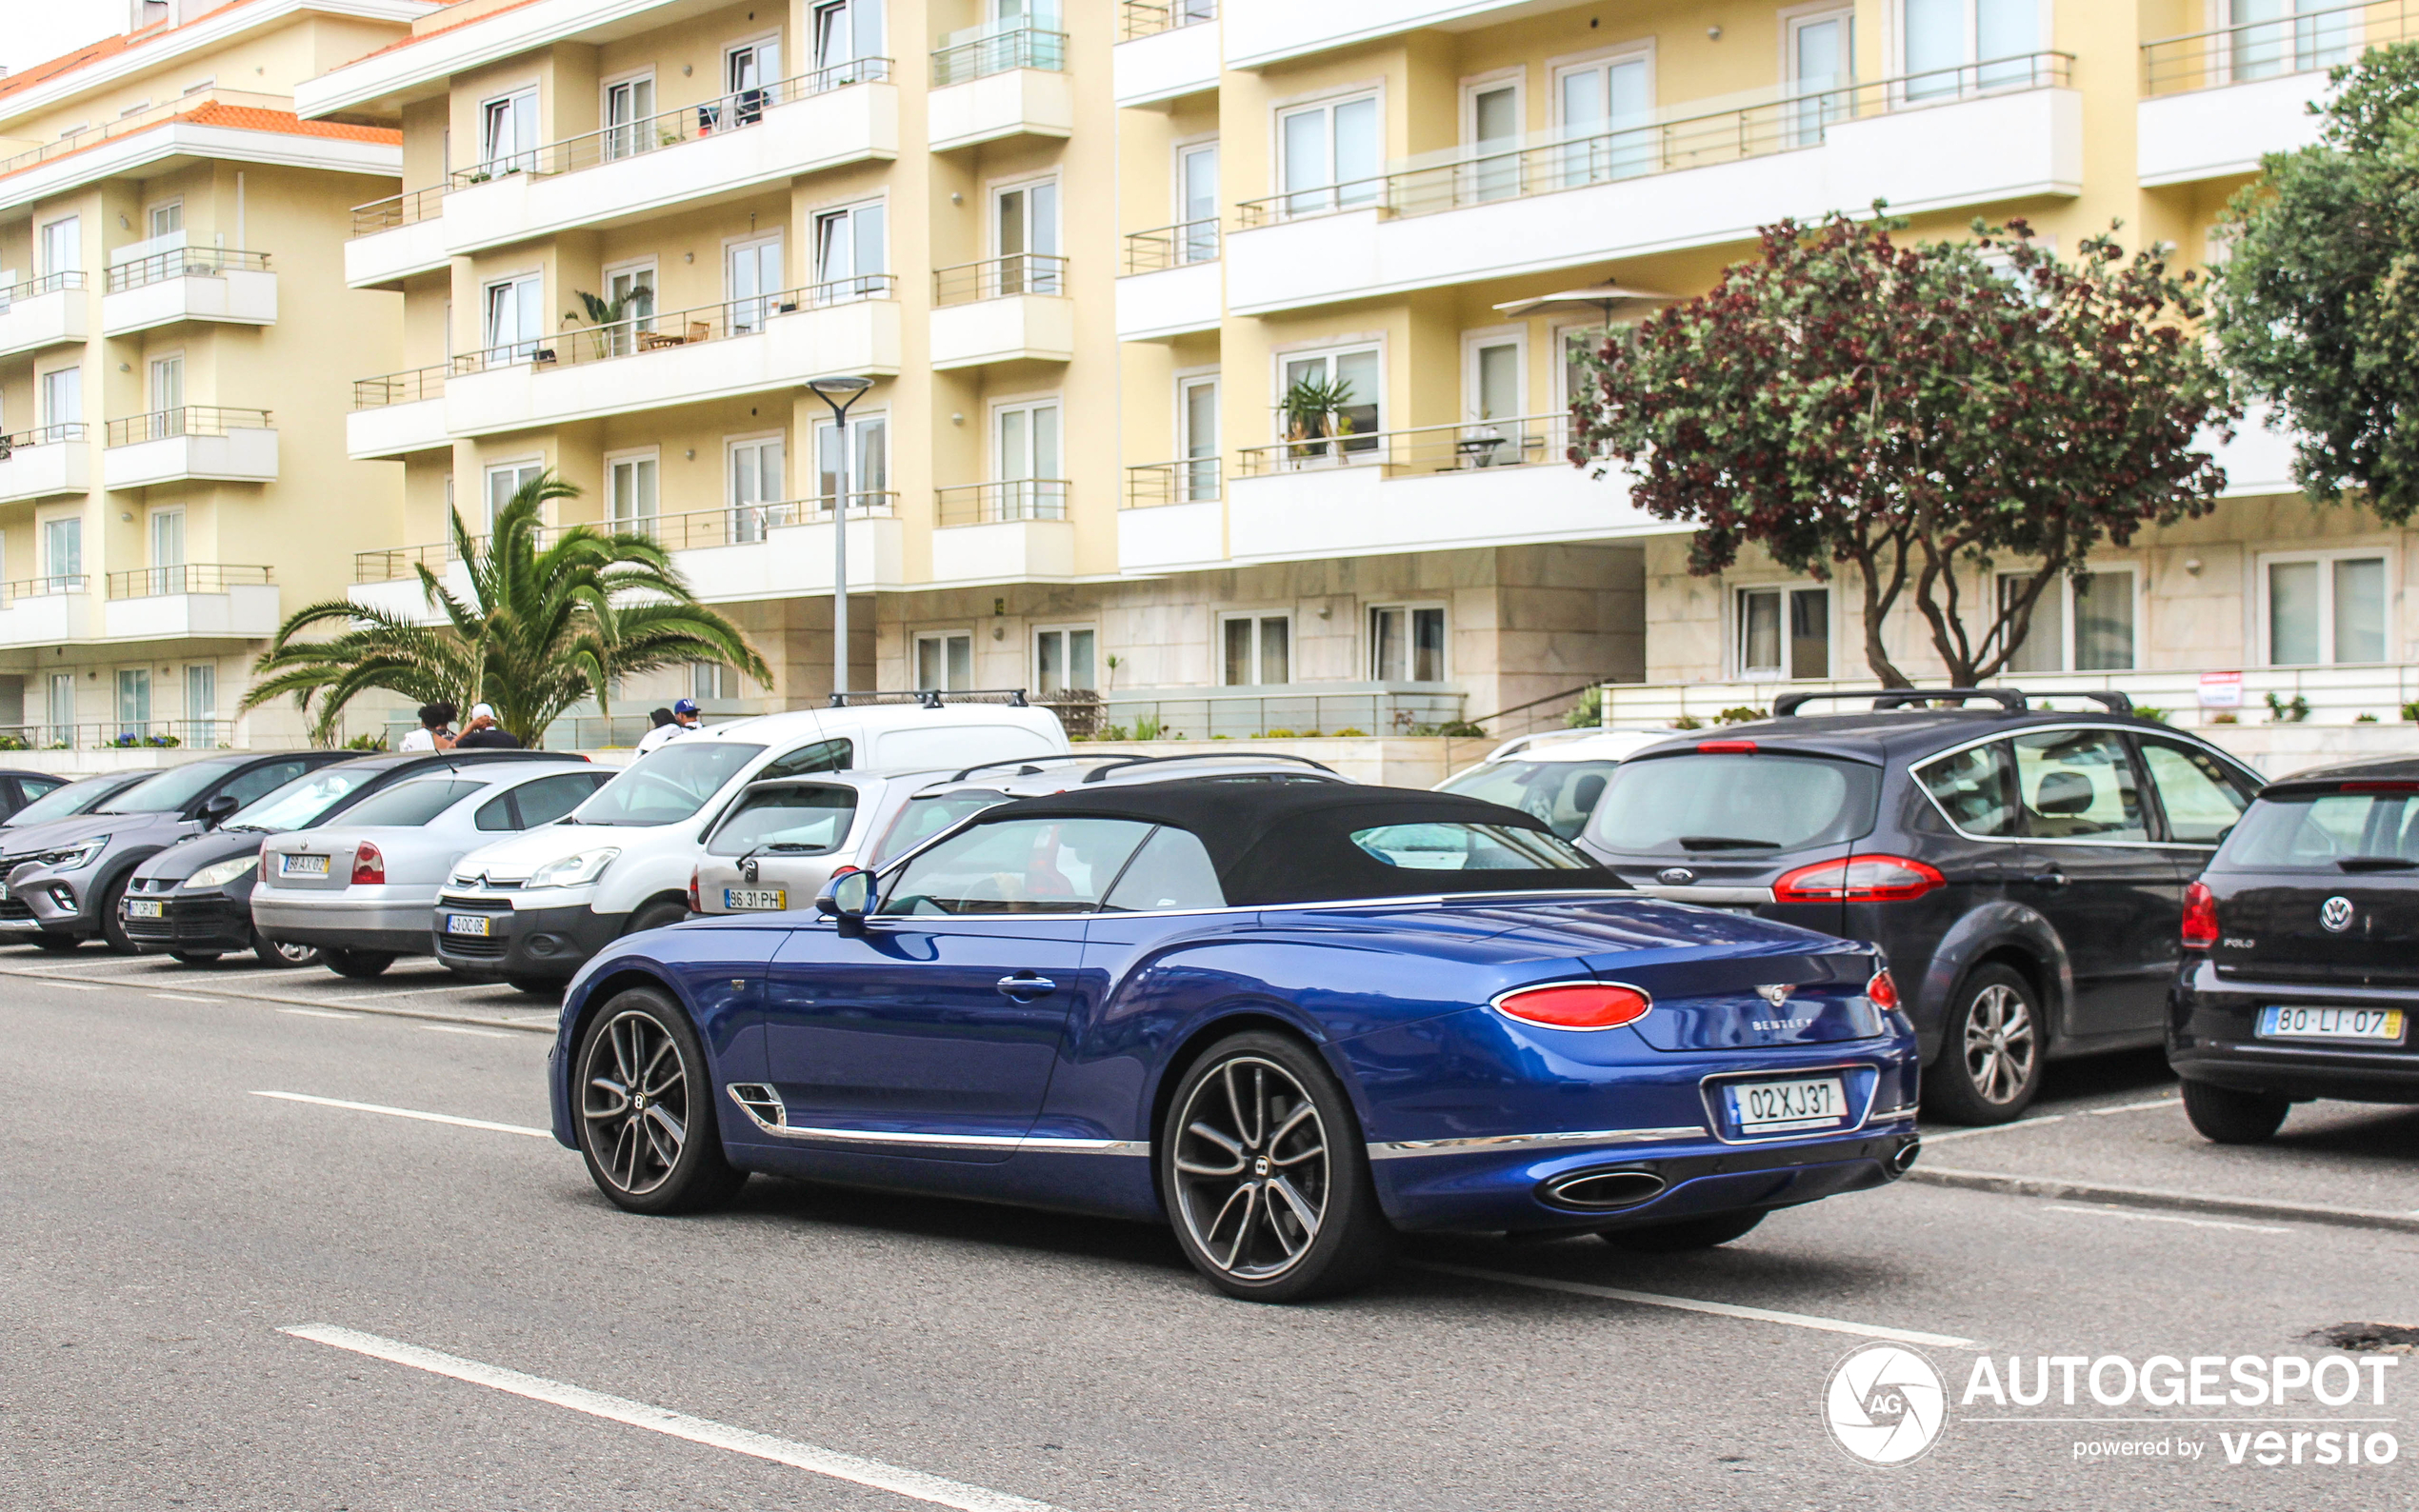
[1281, 843]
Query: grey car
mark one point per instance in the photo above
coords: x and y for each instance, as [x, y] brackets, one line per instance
[363, 890]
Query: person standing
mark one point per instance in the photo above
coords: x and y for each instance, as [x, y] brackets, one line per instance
[484, 733]
[435, 731]
[683, 720]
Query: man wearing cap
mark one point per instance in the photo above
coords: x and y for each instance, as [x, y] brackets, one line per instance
[484, 733]
[683, 720]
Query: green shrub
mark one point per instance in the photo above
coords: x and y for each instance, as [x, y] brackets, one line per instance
[14, 743]
[1688, 722]
[1351, 732]
[1149, 726]
[2227, 717]
[376, 742]
[2152, 711]
[2364, 718]
[1741, 714]
[1277, 734]
[1589, 712]
[2281, 712]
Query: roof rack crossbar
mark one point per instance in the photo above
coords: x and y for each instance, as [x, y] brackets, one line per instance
[2010, 699]
[1037, 761]
[931, 698]
[1099, 773]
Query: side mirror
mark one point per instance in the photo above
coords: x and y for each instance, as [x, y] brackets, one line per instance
[214, 813]
[845, 901]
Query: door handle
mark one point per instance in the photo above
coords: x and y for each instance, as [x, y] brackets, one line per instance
[1026, 984]
[2052, 878]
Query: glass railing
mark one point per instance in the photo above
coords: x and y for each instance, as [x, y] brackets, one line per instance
[184, 262]
[2303, 43]
[997, 48]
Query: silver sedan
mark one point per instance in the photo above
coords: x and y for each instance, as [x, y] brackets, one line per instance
[364, 889]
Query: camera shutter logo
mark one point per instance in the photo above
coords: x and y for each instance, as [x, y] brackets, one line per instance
[2335, 913]
[1886, 1404]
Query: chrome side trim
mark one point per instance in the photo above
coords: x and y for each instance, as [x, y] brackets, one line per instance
[1037, 1143]
[1398, 1149]
[1705, 894]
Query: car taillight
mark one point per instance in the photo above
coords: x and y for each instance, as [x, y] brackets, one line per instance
[1576, 1006]
[1726, 747]
[1857, 879]
[368, 867]
[2200, 917]
[1882, 991]
[695, 905]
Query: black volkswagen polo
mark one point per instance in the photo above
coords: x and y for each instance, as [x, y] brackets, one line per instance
[2300, 954]
[2023, 869]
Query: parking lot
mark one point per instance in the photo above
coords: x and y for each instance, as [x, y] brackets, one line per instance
[207, 1160]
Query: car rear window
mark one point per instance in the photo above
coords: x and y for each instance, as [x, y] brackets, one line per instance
[794, 821]
[409, 805]
[1450, 846]
[922, 818]
[1707, 804]
[2313, 831]
[1561, 793]
[171, 789]
[300, 802]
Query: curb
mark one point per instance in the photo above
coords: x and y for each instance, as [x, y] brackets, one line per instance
[2151, 1197]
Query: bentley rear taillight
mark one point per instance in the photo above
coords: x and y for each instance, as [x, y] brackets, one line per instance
[2200, 917]
[1882, 991]
[1857, 879]
[1576, 1006]
[368, 867]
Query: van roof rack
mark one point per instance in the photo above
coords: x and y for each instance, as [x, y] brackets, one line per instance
[1100, 772]
[932, 698]
[2013, 700]
[1028, 764]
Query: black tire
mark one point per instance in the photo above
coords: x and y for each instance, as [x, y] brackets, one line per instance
[673, 1162]
[281, 954]
[359, 965]
[1991, 1050]
[1302, 1141]
[58, 944]
[656, 915]
[537, 986]
[193, 958]
[1687, 1233]
[112, 928]
[2225, 1116]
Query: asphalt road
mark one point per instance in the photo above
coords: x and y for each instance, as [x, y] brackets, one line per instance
[166, 1226]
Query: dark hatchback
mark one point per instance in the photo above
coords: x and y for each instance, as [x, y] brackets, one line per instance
[2024, 871]
[2300, 954]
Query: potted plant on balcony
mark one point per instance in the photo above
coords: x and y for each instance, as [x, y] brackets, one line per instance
[617, 321]
[1313, 409]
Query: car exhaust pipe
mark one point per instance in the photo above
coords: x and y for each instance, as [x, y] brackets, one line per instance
[1600, 1190]
[1904, 1160]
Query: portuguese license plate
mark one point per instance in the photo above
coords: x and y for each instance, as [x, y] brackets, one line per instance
[1774, 1107]
[472, 923]
[143, 908]
[743, 899]
[302, 865]
[2280, 1023]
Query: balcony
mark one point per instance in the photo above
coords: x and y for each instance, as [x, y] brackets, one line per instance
[1259, 32]
[45, 463]
[1172, 286]
[1164, 52]
[696, 155]
[1011, 531]
[397, 415]
[678, 357]
[2005, 129]
[1431, 488]
[45, 611]
[781, 550]
[42, 312]
[1173, 517]
[997, 81]
[201, 600]
[194, 283]
[1002, 309]
[394, 239]
[2216, 102]
[191, 442]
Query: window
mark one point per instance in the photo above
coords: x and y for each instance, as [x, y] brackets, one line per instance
[59, 711]
[201, 703]
[1456, 846]
[628, 107]
[1564, 794]
[1605, 110]
[747, 70]
[508, 134]
[1256, 649]
[752, 275]
[851, 250]
[2090, 612]
[1063, 659]
[712, 679]
[504, 481]
[633, 289]
[1025, 229]
[168, 384]
[845, 31]
[2312, 831]
[815, 756]
[2200, 796]
[1785, 633]
[62, 552]
[1576, 344]
[168, 551]
[1710, 805]
[1198, 422]
[1945, 39]
[164, 219]
[62, 398]
[1356, 370]
[2304, 35]
[1490, 128]
[1025, 461]
[2325, 607]
[1822, 64]
[1329, 155]
[1171, 870]
[858, 466]
[1976, 789]
[945, 661]
[516, 317]
[1407, 644]
[2078, 784]
[759, 486]
[794, 820]
[1494, 396]
[261, 781]
[629, 493]
[408, 806]
[134, 701]
[1020, 865]
[61, 246]
[1197, 203]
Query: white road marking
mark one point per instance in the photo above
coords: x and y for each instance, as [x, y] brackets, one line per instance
[1994, 1128]
[853, 1468]
[75, 986]
[455, 1028]
[1720, 1309]
[2135, 1107]
[182, 996]
[410, 1112]
[2167, 1218]
[317, 1013]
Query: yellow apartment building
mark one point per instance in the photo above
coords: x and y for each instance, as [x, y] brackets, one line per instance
[176, 346]
[1085, 248]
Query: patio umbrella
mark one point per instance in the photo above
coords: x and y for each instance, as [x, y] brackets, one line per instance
[1600, 299]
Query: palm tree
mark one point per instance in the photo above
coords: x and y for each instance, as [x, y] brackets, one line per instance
[542, 628]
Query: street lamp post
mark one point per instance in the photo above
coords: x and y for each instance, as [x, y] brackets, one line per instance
[839, 393]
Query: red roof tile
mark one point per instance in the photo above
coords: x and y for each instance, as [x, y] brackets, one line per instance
[238, 117]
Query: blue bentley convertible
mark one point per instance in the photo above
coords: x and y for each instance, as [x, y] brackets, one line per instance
[1291, 1021]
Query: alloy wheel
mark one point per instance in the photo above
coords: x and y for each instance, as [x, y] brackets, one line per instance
[2000, 1043]
[1251, 1166]
[634, 1101]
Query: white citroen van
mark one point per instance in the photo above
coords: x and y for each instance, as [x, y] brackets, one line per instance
[531, 909]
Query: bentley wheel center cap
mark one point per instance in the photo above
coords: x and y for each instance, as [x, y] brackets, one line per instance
[1260, 1167]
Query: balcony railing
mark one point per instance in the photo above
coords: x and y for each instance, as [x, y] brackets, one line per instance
[1177, 245]
[32, 287]
[45, 587]
[393, 564]
[202, 732]
[143, 119]
[1473, 445]
[995, 47]
[2266, 49]
[197, 577]
[656, 331]
[409, 387]
[1667, 141]
[185, 419]
[184, 262]
[1141, 18]
[746, 524]
[400, 210]
[999, 278]
[1188, 480]
[1277, 712]
[44, 436]
[998, 503]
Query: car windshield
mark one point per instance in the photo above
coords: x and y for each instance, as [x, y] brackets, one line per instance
[1706, 804]
[299, 804]
[2316, 831]
[62, 802]
[1457, 846]
[668, 784]
[794, 821]
[170, 790]
[1561, 793]
[409, 804]
[929, 814]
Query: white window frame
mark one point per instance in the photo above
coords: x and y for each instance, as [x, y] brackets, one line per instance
[1195, 245]
[757, 45]
[2060, 594]
[624, 338]
[769, 512]
[2326, 557]
[859, 425]
[1967, 57]
[152, 212]
[1259, 619]
[43, 415]
[166, 577]
[522, 348]
[1038, 501]
[1198, 485]
[1294, 200]
[1031, 277]
[862, 283]
[154, 367]
[942, 638]
[41, 246]
[631, 457]
[50, 566]
[713, 682]
[1331, 350]
[641, 137]
[747, 313]
[858, 33]
[489, 505]
[1480, 177]
[1072, 628]
[1473, 342]
[1793, 20]
[1734, 630]
[1639, 50]
[517, 158]
[1410, 610]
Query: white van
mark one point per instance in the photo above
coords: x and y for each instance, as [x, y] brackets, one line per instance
[531, 909]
